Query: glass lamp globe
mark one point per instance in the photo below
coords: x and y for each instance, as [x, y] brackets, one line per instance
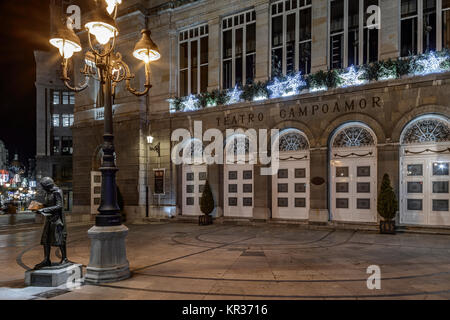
[111, 5]
[101, 25]
[66, 41]
[145, 49]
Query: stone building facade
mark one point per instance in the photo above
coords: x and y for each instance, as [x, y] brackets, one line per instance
[336, 144]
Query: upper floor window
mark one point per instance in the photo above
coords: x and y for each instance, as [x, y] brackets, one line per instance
[291, 36]
[353, 41]
[67, 120]
[68, 97]
[445, 24]
[193, 61]
[55, 120]
[56, 97]
[56, 145]
[67, 146]
[238, 49]
[425, 26]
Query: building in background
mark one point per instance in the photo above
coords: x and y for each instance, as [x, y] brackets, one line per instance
[54, 119]
[4, 156]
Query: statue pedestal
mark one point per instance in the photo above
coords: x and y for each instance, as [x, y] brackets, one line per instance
[108, 261]
[54, 276]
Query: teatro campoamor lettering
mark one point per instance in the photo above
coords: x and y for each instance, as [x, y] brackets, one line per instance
[304, 111]
[336, 107]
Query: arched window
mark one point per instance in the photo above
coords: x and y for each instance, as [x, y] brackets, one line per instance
[427, 130]
[354, 136]
[293, 140]
[195, 174]
[290, 186]
[424, 172]
[239, 176]
[353, 174]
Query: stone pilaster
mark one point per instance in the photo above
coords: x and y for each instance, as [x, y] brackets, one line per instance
[319, 36]
[390, 26]
[214, 54]
[262, 42]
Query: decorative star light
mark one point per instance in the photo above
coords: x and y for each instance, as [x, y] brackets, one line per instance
[293, 84]
[234, 96]
[277, 88]
[430, 63]
[289, 87]
[190, 103]
[352, 77]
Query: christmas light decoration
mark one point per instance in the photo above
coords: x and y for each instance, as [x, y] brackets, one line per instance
[428, 64]
[259, 98]
[289, 87]
[317, 89]
[190, 103]
[352, 77]
[234, 96]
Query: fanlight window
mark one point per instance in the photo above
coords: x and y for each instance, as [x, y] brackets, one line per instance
[196, 148]
[427, 130]
[353, 137]
[240, 145]
[293, 141]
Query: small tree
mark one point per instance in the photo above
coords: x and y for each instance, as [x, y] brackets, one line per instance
[387, 201]
[207, 201]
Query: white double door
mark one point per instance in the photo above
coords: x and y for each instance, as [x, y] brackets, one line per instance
[194, 179]
[424, 190]
[354, 189]
[238, 190]
[290, 190]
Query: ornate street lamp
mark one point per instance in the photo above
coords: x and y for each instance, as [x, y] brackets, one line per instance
[108, 262]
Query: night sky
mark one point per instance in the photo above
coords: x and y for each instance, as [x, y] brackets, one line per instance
[24, 27]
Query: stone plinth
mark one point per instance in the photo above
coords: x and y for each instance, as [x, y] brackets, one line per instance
[54, 276]
[108, 261]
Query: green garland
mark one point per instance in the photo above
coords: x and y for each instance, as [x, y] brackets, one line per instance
[430, 62]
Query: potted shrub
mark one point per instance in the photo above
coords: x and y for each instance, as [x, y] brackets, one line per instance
[387, 206]
[206, 206]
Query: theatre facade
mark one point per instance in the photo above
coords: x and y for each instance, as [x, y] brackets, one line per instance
[335, 143]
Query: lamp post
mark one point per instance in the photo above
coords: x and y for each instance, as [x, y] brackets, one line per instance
[108, 260]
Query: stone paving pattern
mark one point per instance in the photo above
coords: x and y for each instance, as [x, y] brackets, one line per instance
[185, 261]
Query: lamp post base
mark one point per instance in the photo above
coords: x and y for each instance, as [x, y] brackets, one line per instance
[108, 261]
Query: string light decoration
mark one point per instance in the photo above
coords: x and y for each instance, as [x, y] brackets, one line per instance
[352, 77]
[291, 86]
[190, 103]
[234, 96]
[429, 63]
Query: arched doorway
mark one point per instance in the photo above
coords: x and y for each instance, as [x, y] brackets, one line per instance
[195, 174]
[353, 171]
[290, 187]
[238, 177]
[424, 172]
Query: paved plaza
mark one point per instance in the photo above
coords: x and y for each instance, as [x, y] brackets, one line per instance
[186, 261]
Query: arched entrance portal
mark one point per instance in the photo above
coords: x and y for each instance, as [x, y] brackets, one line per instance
[353, 171]
[424, 172]
[238, 177]
[290, 187]
[194, 178]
